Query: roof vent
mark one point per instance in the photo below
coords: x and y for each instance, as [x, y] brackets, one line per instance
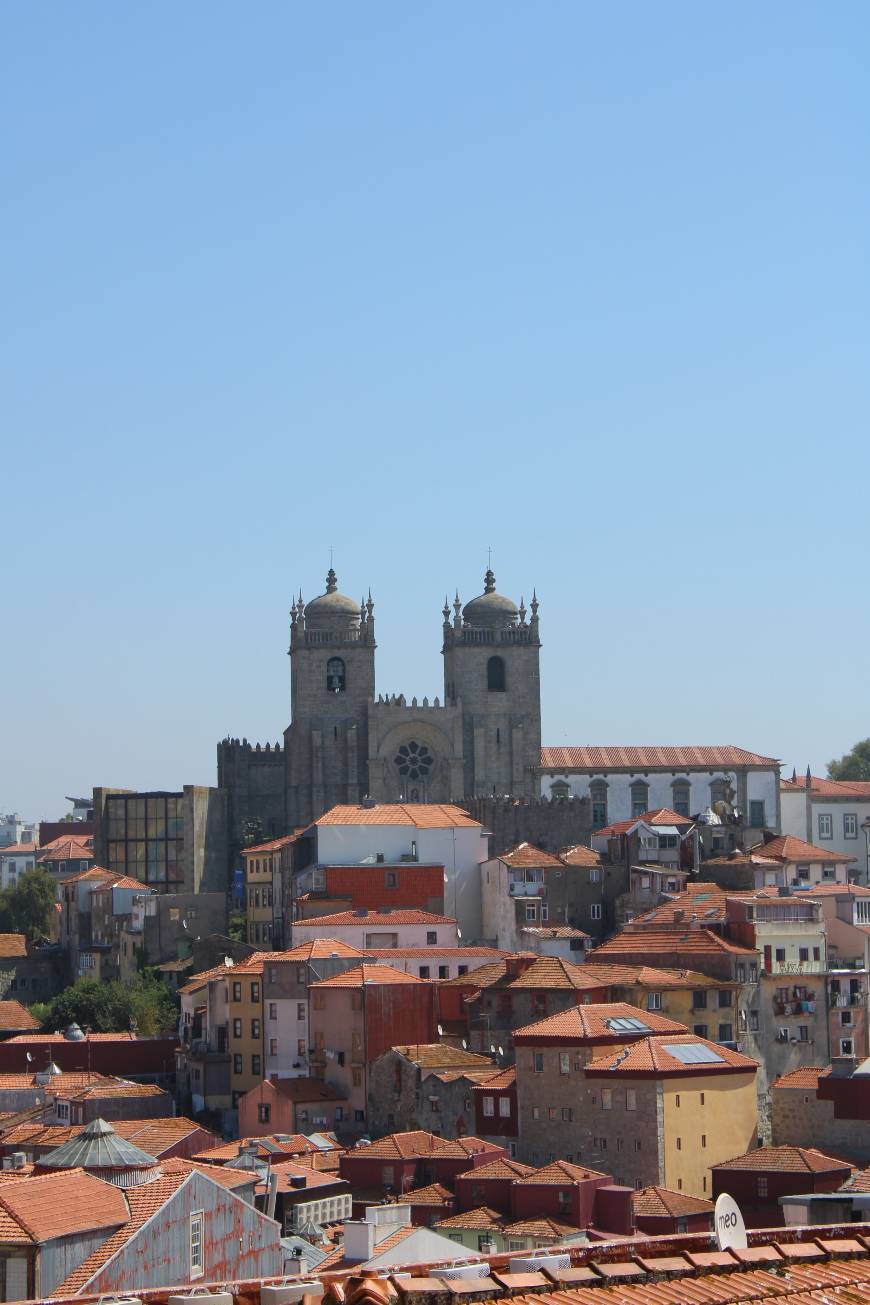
[368, 803]
[73, 1033]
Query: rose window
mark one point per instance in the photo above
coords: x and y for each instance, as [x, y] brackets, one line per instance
[414, 760]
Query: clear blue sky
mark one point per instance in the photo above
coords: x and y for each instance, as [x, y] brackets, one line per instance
[585, 283]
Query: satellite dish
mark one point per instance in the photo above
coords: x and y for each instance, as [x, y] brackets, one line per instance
[730, 1228]
[464, 1045]
[440, 1031]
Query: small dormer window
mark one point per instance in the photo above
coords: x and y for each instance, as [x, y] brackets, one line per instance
[335, 677]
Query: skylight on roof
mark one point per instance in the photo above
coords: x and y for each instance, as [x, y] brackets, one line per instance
[693, 1053]
[627, 1024]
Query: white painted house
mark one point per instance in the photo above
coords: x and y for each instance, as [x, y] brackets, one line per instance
[429, 833]
[832, 814]
[624, 782]
[384, 929]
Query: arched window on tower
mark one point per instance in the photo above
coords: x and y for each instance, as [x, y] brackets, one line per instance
[335, 675]
[495, 675]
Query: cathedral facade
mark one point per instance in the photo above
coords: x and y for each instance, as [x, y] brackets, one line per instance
[344, 743]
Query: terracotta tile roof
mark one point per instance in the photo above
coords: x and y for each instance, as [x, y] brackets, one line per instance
[543, 1226]
[481, 1217]
[579, 855]
[657, 816]
[417, 1143]
[434, 1194]
[297, 1144]
[220, 1174]
[439, 1055]
[95, 874]
[835, 890]
[848, 788]
[143, 1203]
[554, 931]
[197, 981]
[651, 758]
[786, 848]
[316, 949]
[649, 976]
[652, 1058]
[360, 975]
[450, 953]
[501, 1168]
[542, 972]
[692, 942]
[526, 854]
[661, 1203]
[45, 1039]
[704, 900]
[47, 1206]
[15, 1016]
[272, 845]
[365, 919]
[594, 1023]
[498, 1082]
[67, 848]
[786, 1159]
[117, 1088]
[421, 815]
[19, 849]
[859, 1182]
[72, 1080]
[558, 1173]
[286, 1170]
[807, 1077]
[13, 944]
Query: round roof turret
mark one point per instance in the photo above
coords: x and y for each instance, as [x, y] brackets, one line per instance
[332, 610]
[490, 610]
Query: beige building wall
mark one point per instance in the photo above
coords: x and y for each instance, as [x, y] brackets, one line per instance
[704, 1121]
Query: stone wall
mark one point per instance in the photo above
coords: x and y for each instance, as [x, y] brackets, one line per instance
[549, 825]
[253, 777]
[800, 1118]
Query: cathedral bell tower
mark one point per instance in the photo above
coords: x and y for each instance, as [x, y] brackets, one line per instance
[492, 670]
[332, 681]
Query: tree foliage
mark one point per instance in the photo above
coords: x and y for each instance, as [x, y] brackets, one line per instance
[28, 907]
[854, 765]
[144, 1003]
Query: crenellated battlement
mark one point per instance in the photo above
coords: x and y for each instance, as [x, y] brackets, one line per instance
[229, 745]
[399, 702]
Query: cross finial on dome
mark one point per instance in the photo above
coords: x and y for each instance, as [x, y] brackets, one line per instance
[489, 582]
[331, 581]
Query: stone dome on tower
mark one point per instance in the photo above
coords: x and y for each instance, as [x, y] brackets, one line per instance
[490, 610]
[332, 610]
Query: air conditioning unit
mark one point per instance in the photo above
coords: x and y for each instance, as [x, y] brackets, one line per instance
[285, 1293]
[470, 1271]
[540, 1263]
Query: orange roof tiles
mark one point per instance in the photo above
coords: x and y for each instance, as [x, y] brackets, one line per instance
[594, 1023]
[451, 953]
[18, 849]
[579, 855]
[652, 1059]
[440, 1055]
[848, 788]
[542, 972]
[15, 1016]
[13, 944]
[527, 855]
[421, 815]
[691, 942]
[61, 1205]
[786, 848]
[479, 1218]
[272, 845]
[501, 1168]
[651, 758]
[67, 848]
[657, 816]
[807, 1077]
[360, 975]
[660, 1203]
[792, 1159]
[498, 1082]
[649, 976]
[433, 1194]
[220, 1174]
[558, 1172]
[543, 1226]
[316, 949]
[365, 919]
[418, 1143]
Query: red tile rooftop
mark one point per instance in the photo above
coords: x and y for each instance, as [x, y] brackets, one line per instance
[557, 1173]
[417, 1143]
[806, 1078]
[847, 788]
[688, 942]
[526, 855]
[579, 855]
[650, 758]
[596, 1022]
[670, 1056]
[421, 815]
[661, 1203]
[782, 1159]
[657, 816]
[15, 1016]
[786, 848]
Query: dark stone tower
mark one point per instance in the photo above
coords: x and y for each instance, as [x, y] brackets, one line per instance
[492, 670]
[332, 681]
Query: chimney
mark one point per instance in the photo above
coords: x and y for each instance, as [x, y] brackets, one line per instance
[516, 965]
[359, 1239]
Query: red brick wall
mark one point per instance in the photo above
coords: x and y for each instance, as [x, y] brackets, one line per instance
[398, 1013]
[418, 887]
